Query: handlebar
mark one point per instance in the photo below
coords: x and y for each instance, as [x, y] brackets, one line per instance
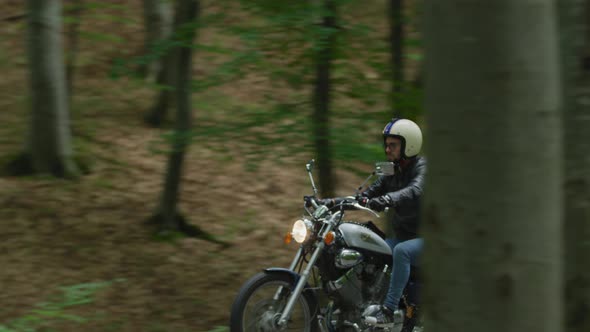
[349, 201]
[364, 208]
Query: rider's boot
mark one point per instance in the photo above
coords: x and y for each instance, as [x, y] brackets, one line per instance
[382, 317]
[410, 319]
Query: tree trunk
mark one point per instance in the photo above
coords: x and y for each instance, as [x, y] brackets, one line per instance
[165, 68]
[186, 13]
[494, 189]
[396, 39]
[167, 217]
[396, 42]
[586, 34]
[48, 146]
[72, 42]
[167, 76]
[321, 98]
[158, 27]
[574, 30]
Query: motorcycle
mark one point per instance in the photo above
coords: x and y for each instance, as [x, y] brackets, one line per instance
[337, 279]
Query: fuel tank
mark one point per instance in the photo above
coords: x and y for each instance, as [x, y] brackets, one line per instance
[357, 236]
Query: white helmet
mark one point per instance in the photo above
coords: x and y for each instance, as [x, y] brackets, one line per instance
[409, 133]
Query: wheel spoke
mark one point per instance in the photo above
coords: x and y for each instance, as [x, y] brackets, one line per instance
[261, 312]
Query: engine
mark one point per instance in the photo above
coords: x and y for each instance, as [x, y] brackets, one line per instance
[362, 282]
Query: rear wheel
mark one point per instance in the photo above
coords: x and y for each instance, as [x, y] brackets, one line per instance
[260, 303]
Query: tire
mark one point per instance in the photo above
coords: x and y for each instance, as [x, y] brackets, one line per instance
[249, 314]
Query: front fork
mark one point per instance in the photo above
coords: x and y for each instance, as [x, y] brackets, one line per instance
[296, 259]
[307, 272]
[291, 268]
[300, 284]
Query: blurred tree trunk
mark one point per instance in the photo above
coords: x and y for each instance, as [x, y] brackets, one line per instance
[165, 67]
[167, 216]
[48, 146]
[186, 15]
[575, 29]
[72, 42]
[396, 39]
[167, 76]
[321, 98]
[158, 27]
[493, 219]
[586, 34]
[396, 43]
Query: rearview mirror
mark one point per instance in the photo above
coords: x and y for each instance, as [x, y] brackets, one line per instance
[385, 168]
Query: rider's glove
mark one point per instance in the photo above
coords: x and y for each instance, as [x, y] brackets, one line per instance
[379, 203]
[328, 202]
[362, 200]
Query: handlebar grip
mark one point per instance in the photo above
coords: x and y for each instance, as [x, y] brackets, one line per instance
[310, 201]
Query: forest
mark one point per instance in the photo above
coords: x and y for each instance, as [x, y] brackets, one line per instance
[153, 153]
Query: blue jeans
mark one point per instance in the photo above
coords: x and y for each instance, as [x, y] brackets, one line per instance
[405, 254]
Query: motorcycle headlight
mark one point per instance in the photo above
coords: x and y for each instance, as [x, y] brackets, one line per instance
[301, 229]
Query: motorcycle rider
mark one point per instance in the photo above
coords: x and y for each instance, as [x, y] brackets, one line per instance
[401, 192]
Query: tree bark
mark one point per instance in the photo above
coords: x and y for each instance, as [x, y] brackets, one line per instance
[165, 68]
[48, 145]
[586, 34]
[494, 189]
[72, 52]
[186, 14]
[167, 216]
[167, 76]
[574, 28]
[158, 27]
[321, 99]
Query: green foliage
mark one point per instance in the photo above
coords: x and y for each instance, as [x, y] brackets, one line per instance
[101, 37]
[168, 236]
[55, 310]
[3, 59]
[350, 146]
[281, 41]
[246, 225]
[256, 128]
[100, 5]
[410, 101]
[291, 39]
[283, 45]
[102, 182]
[228, 71]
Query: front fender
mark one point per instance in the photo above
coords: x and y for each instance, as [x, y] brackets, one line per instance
[307, 290]
[294, 275]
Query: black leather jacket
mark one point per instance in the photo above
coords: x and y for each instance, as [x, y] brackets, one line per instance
[405, 189]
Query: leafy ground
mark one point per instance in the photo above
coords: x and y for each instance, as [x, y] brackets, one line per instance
[57, 233]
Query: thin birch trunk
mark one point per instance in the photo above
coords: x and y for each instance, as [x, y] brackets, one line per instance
[321, 98]
[158, 28]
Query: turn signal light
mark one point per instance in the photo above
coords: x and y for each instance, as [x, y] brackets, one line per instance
[288, 238]
[329, 238]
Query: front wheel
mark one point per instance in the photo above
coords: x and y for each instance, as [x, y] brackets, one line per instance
[260, 303]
